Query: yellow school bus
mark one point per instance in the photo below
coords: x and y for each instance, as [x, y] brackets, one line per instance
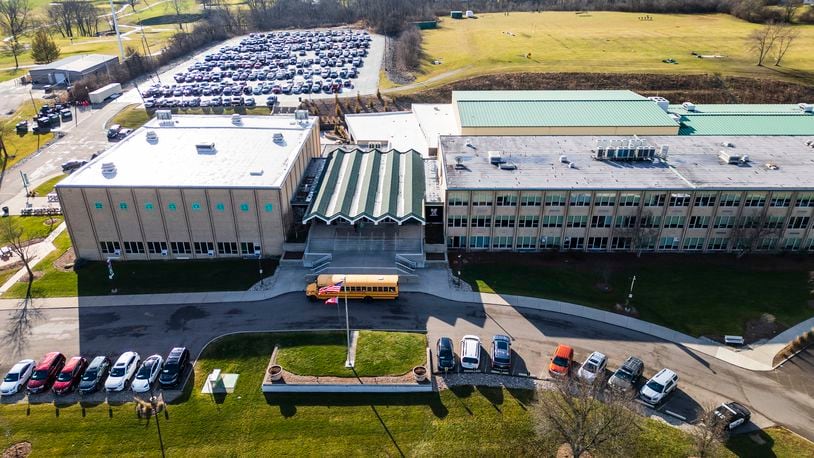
[356, 286]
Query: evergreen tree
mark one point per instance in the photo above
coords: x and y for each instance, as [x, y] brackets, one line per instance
[43, 47]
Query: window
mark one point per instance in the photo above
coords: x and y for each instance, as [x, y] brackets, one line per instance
[549, 242]
[227, 247]
[196, 206]
[528, 221]
[506, 200]
[481, 199]
[625, 221]
[674, 221]
[123, 205]
[749, 222]
[203, 247]
[621, 243]
[531, 200]
[652, 199]
[629, 200]
[718, 243]
[456, 241]
[651, 221]
[134, 247]
[798, 222]
[172, 207]
[755, 200]
[577, 221]
[109, 247]
[808, 245]
[668, 243]
[244, 207]
[780, 199]
[574, 243]
[502, 242]
[694, 243]
[730, 200]
[180, 247]
[526, 243]
[479, 241]
[792, 243]
[722, 222]
[597, 243]
[156, 247]
[504, 221]
[767, 243]
[699, 222]
[601, 221]
[458, 199]
[220, 207]
[805, 200]
[705, 199]
[605, 200]
[248, 247]
[98, 205]
[580, 200]
[149, 206]
[554, 200]
[679, 200]
[552, 220]
[776, 222]
[456, 221]
[268, 208]
[481, 221]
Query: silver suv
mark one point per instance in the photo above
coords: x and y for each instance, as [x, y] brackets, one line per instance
[628, 374]
[659, 387]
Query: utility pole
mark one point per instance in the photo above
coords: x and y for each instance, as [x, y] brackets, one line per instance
[116, 28]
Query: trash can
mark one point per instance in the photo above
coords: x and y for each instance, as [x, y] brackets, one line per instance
[5, 211]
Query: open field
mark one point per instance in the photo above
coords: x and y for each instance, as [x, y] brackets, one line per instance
[605, 42]
[697, 295]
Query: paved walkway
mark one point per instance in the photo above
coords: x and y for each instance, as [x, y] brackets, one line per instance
[38, 251]
[439, 282]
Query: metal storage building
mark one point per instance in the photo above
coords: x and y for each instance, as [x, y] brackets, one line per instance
[71, 69]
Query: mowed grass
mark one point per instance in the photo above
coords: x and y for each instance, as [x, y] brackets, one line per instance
[35, 227]
[697, 295]
[777, 442]
[604, 42]
[132, 117]
[21, 146]
[46, 187]
[377, 354]
[135, 116]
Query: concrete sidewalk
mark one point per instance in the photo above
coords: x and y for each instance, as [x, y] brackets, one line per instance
[438, 281]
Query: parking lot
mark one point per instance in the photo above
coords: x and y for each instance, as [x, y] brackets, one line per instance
[272, 68]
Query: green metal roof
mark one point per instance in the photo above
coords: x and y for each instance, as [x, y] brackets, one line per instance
[563, 113]
[372, 185]
[541, 96]
[747, 124]
[744, 108]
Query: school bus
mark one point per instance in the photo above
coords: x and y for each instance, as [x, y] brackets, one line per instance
[365, 287]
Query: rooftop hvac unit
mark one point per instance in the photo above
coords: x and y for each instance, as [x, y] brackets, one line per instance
[806, 107]
[564, 159]
[689, 106]
[495, 157]
[676, 117]
[733, 159]
[459, 163]
[508, 166]
[108, 168]
[727, 145]
[278, 138]
[163, 115]
[236, 120]
[205, 147]
[571, 165]
[663, 149]
[663, 103]
[256, 173]
[151, 136]
[301, 115]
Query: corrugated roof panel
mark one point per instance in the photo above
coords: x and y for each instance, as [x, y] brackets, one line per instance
[744, 124]
[566, 95]
[743, 108]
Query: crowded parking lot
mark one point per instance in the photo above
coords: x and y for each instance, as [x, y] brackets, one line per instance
[266, 69]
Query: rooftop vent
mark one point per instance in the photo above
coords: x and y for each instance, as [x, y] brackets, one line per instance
[689, 106]
[771, 166]
[572, 165]
[151, 136]
[507, 166]
[495, 157]
[663, 103]
[564, 159]
[108, 169]
[810, 143]
[205, 148]
[806, 107]
[732, 159]
[676, 117]
[278, 138]
[236, 120]
[301, 115]
[459, 163]
[256, 173]
[727, 145]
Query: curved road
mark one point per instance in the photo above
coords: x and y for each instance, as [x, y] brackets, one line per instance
[778, 396]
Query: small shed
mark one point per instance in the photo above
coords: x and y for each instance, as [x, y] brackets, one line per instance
[455, 14]
[71, 69]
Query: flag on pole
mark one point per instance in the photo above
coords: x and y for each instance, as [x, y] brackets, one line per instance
[332, 300]
[331, 289]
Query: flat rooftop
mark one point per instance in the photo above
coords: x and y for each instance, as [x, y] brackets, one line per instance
[417, 129]
[77, 63]
[244, 156]
[692, 163]
[744, 119]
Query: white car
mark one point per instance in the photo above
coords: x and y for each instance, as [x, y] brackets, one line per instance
[593, 367]
[147, 374]
[123, 371]
[657, 388]
[470, 352]
[17, 377]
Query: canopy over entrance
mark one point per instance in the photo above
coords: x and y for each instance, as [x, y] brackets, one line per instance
[372, 186]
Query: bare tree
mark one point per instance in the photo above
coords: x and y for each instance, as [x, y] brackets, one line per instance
[708, 434]
[789, 9]
[14, 21]
[176, 4]
[642, 234]
[762, 41]
[586, 419]
[786, 36]
[13, 236]
[749, 231]
[132, 4]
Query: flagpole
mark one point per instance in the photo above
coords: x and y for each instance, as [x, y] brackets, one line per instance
[348, 362]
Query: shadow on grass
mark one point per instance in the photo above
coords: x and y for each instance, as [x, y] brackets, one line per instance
[288, 402]
[745, 445]
[171, 19]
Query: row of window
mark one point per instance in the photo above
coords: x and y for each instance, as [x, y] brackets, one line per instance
[194, 206]
[671, 221]
[369, 289]
[163, 248]
[485, 198]
[623, 243]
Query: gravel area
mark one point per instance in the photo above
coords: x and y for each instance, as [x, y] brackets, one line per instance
[444, 381]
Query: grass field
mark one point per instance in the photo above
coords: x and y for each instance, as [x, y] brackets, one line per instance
[21, 146]
[134, 116]
[603, 42]
[377, 353]
[36, 227]
[698, 295]
[48, 186]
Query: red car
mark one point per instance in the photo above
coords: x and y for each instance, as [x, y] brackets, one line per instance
[561, 361]
[46, 372]
[69, 377]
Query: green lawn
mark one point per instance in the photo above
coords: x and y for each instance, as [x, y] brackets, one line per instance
[134, 116]
[605, 42]
[141, 277]
[778, 442]
[36, 227]
[45, 188]
[21, 146]
[377, 353]
[698, 295]
[131, 117]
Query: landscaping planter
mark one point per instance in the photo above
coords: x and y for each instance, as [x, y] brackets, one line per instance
[420, 373]
[276, 372]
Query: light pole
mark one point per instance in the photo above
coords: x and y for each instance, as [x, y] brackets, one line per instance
[630, 294]
[116, 28]
[154, 405]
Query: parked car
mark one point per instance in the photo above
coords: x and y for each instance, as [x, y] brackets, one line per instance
[627, 375]
[147, 374]
[45, 372]
[17, 377]
[659, 387]
[732, 414]
[123, 371]
[69, 376]
[446, 354]
[501, 353]
[113, 131]
[73, 165]
[94, 374]
[174, 367]
[561, 361]
[470, 352]
[593, 367]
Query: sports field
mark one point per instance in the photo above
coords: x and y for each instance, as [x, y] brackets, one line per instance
[603, 42]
